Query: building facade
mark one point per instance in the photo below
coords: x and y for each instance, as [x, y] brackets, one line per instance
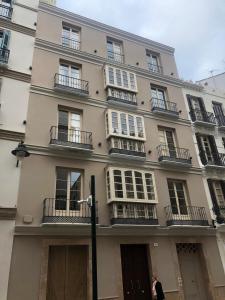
[17, 33]
[215, 83]
[108, 103]
[206, 108]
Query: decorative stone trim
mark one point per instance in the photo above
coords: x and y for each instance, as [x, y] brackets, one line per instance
[16, 27]
[11, 135]
[8, 213]
[15, 75]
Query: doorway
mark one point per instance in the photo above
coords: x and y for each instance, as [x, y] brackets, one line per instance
[135, 271]
[67, 273]
[193, 271]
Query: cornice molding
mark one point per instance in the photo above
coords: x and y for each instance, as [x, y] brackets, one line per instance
[104, 105]
[11, 135]
[15, 75]
[72, 17]
[8, 213]
[109, 161]
[64, 51]
[16, 27]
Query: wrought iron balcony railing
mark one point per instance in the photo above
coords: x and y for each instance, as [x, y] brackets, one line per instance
[118, 57]
[186, 215]
[159, 105]
[133, 213]
[203, 116]
[70, 43]
[126, 147]
[6, 11]
[4, 56]
[214, 159]
[155, 68]
[71, 138]
[173, 154]
[122, 96]
[71, 84]
[63, 210]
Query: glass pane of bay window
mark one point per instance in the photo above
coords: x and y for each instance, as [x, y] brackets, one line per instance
[115, 122]
[131, 125]
[118, 184]
[139, 185]
[118, 77]
[132, 81]
[123, 120]
[140, 127]
[149, 186]
[125, 79]
[129, 184]
[108, 185]
[111, 75]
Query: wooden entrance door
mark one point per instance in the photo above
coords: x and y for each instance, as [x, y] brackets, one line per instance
[136, 280]
[67, 273]
[192, 272]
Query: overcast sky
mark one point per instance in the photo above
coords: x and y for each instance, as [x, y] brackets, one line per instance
[195, 28]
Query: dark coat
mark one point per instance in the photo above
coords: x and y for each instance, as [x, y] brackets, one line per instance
[159, 291]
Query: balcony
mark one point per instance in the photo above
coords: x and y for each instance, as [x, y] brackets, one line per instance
[58, 211]
[133, 214]
[120, 97]
[187, 215]
[214, 160]
[122, 147]
[70, 43]
[174, 156]
[221, 122]
[117, 57]
[71, 139]
[5, 11]
[166, 108]
[155, 68]
[203, 118]
[4, 56]
[71, 85]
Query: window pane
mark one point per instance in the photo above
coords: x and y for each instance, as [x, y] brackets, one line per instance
[75, 189]
[108, 185]
[139, 185]
[118, 77]
[131, 125]
[118, 184]
[115, 122]
[140, 127]
[111, 75]
[132, 81]
[149, 186]
[123, 121]
[129, 184]
[125, 79]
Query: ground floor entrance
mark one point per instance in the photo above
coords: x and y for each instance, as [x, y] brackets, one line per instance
[67, 273]
[193, 271]
[135, 272]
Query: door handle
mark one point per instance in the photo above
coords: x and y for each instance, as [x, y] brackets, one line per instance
[142, 291]
[128, 293]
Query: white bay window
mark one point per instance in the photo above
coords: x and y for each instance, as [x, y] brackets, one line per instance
[130, 185]
[125, 125]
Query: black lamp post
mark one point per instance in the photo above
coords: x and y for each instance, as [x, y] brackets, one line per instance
[20, 152]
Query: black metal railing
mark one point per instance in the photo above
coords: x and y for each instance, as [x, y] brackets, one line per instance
[159, 104]
[118, 57]
[4, 55]
[71, 83]
[220, 120]
[63, 210]
[133, 213]
[202, 116]
[126, 147]
[174, 154]
[6, 11]
[215, 158]
[70, 137]
[122, 96]
[186, 215]
[70, 43]
[155, 68]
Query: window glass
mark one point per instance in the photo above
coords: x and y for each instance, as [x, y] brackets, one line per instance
[125, 79]
[129, 184]
[149, 186]
[139, 185]
[140, 127]
[132, 81]
[115, 122]
[118, 184]
[131, 125]
[111, 75]
[118, 77]
[123, 120]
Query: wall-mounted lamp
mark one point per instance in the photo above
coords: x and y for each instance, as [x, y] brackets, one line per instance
[20, 152]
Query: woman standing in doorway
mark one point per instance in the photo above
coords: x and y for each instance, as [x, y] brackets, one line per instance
[157, 290]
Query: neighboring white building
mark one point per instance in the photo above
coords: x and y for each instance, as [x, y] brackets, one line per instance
[17, 36]
[215, 82]
[207, 113]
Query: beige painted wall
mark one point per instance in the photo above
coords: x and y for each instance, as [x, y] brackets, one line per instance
[24, 16]
[14, 98]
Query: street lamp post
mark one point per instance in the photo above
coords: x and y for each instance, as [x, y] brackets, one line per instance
[93, 241]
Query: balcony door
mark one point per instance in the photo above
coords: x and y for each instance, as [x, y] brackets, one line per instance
[178, 198]
[71, 38]
[218, 110]
[220, 197]
[68, 191]
[167, 142]
[207, 148]
[158, 97]
[69, 127]
[69, 76]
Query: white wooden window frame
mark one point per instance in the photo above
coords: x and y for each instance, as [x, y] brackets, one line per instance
[113, 198]
[119, 133]
[122, 86]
